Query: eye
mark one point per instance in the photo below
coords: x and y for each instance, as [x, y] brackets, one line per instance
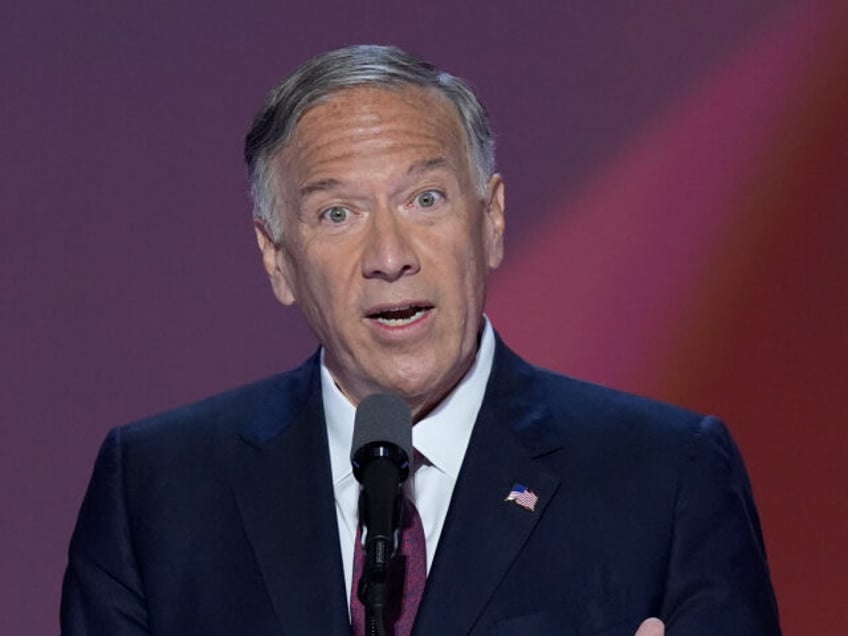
[428, 198]
[336, 214]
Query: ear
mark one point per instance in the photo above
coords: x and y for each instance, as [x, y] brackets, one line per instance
[276, 265]
[494, 221]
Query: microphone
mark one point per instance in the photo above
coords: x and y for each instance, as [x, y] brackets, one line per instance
[380, 455]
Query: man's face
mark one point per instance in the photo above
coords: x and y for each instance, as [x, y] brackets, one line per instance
[387, 241]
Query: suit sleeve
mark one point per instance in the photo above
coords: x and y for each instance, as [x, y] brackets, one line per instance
[718, 580]
[102, 589]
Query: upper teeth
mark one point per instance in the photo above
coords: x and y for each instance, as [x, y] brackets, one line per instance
[398, 317]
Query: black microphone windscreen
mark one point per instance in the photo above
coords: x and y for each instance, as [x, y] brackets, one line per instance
[383, 417]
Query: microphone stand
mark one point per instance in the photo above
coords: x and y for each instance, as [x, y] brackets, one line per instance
[374, 587]
[381, 543]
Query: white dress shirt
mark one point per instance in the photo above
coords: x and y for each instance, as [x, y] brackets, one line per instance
[441, 438]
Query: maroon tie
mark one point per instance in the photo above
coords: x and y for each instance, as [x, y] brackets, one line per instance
[409, 574]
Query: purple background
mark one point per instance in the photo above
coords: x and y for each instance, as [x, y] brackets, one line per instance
[131, 282]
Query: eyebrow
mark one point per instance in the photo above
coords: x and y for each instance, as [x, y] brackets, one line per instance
[425, 165]
[419, 167]
[319, 186]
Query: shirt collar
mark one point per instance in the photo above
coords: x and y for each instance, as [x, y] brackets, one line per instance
[441, 437]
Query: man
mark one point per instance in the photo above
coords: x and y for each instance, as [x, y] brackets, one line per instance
[548, 506]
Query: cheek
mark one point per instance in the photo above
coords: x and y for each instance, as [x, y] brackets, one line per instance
[325, 293]
[477, 261]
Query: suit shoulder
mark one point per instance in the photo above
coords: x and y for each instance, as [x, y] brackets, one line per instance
[267, 401]
[587, 409]
[581, 395]
[616, 437]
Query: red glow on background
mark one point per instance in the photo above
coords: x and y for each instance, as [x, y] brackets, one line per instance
[708, 265]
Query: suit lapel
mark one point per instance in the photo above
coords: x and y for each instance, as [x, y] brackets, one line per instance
[483, 533]
[280, 474]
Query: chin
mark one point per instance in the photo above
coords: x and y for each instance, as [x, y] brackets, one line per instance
[423, 389]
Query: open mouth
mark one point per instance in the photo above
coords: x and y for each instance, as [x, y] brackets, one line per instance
[400, 316]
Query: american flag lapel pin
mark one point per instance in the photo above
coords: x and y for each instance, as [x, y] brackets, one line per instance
[522, 496]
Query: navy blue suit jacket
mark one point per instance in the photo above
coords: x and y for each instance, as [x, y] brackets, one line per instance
[219, 518]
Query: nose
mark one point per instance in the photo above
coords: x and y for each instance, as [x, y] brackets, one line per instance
[389, 253]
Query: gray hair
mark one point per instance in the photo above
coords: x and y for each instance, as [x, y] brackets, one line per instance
[325, 74]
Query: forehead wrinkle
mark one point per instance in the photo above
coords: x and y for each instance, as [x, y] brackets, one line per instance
[319, 168]
[367, 114]
[360, 125]
[342, 143]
